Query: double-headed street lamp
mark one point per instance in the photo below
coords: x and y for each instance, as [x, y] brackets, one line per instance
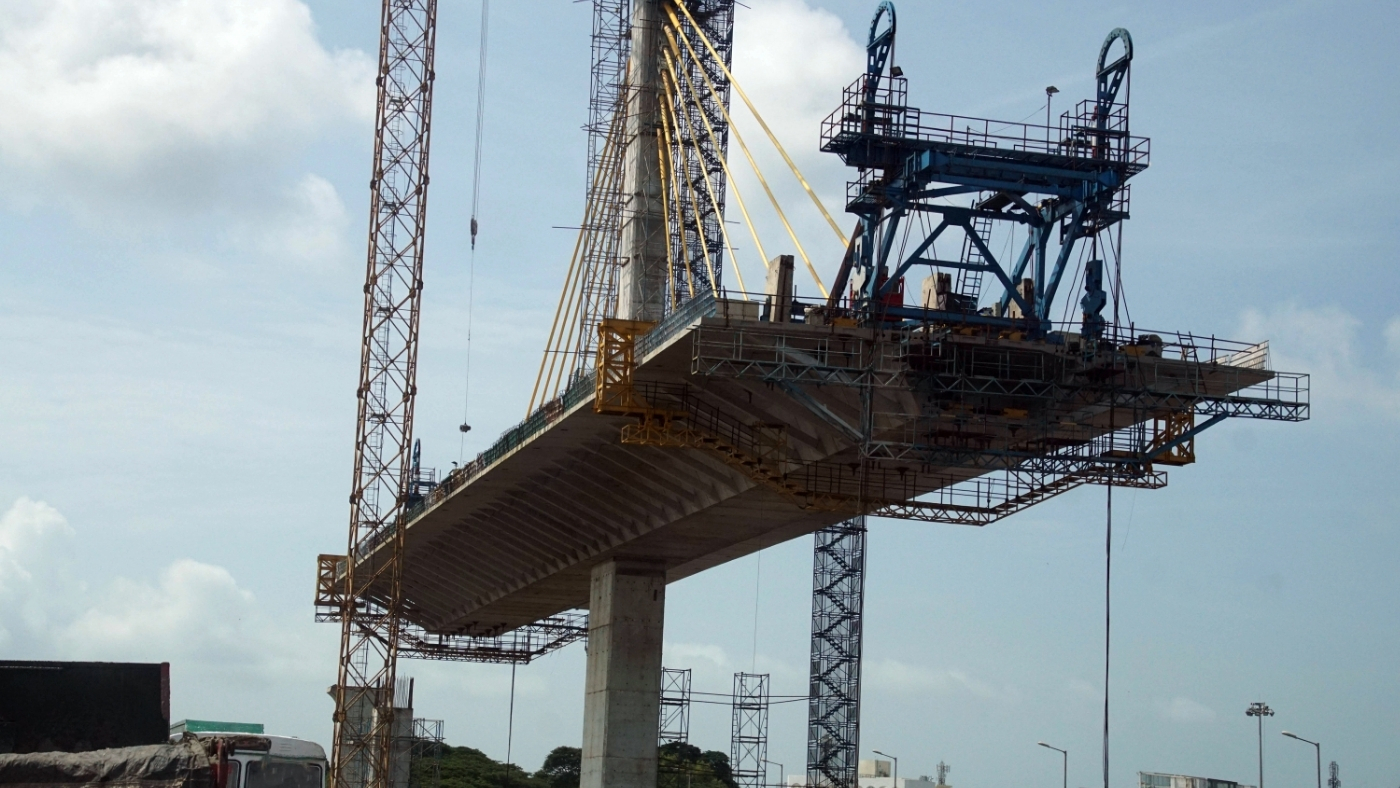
[1260, 710]
[1316, 747]
[895, 781]
[1064, 759]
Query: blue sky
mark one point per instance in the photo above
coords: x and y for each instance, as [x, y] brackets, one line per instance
[181, 235]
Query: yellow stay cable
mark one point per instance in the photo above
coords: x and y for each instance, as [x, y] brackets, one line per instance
[563, 295]
[695, 209]
[574, 319]
[561, 312]
[771, 136]
[748, 155]
[666, 219]
[674, 183]
[672, 91]
[714, 140]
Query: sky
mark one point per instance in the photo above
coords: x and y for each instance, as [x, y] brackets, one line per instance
[183, 201]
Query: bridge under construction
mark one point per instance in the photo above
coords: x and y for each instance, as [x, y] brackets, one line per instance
[679, 423]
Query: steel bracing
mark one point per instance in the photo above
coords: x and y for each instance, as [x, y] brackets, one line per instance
[833, 710]
[675, 705]
[362, 750]
[748, 741]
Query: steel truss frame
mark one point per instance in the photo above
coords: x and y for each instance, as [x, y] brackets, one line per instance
[748, 740]
[519, 646]
[675, 705]
[910, 161]
[838, 602]
[362, 748]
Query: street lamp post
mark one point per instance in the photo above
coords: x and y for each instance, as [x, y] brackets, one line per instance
[1064, 759]
[895, 780]
[1261, 710]
[1316, 747]
[781, 777]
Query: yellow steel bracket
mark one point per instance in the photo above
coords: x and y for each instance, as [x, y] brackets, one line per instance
[1169, 427]
[616, 392]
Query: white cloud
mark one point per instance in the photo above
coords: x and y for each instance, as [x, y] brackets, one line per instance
[137, 114]
[1186, 711]
[195, 614]
[793, 61]
[34, 540]
[313, 228]
[893, 676]
[1325, 342]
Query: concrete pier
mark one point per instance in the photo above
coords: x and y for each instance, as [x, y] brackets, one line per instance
[622, 700]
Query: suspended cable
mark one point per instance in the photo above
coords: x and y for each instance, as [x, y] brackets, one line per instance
[752, 163]
[1107, 602]
[510, 719]
[465, 426]
[480, 114]
[719, 61]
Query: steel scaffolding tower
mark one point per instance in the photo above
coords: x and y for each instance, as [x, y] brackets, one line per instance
[675, 705]
[748, 742]
[833, 711]
[362, 749]
[607, 95]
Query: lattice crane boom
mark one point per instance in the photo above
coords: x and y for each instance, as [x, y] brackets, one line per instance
[362, 748]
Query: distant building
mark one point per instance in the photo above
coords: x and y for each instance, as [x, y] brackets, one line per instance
[874, 774]
[1160, 780]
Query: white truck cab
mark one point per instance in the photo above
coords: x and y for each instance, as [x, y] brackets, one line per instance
[288, 762]
[259, 760]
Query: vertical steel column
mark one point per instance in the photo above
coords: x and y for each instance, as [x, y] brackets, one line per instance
[833, 711]
[362, 750]
[675, 705]
[748, 741]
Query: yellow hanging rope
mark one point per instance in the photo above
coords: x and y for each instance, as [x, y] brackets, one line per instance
[840, 236]
[748, 155]
[671, 94]
[723, 163]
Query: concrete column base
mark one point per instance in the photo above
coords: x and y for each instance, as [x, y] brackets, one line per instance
[622, 701]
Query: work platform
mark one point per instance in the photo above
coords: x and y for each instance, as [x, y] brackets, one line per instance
[733, 434]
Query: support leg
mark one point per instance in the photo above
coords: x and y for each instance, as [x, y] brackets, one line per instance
[622, 700]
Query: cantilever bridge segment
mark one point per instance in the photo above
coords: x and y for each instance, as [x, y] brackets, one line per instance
[685, 425]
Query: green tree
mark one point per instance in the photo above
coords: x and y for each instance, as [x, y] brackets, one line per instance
[562, 767]
[684, 765]
[468, 767]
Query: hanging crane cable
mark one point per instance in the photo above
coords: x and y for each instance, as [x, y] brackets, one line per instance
[465, 427]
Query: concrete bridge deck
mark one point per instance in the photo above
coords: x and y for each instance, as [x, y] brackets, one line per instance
[514, 538]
